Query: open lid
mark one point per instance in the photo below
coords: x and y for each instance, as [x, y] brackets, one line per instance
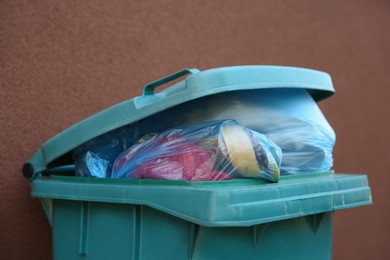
[197, 84]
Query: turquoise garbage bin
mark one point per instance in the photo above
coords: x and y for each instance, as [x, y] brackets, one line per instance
[95, 218]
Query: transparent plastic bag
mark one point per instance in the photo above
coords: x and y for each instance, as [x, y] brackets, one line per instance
[289, 117]
[96, 157]
[217, 150]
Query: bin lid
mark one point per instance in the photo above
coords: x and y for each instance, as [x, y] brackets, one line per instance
[197, 84]
[243, 202]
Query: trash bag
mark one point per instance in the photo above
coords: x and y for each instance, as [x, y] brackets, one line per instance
[216, 150]
[289, 117]
[95, 158]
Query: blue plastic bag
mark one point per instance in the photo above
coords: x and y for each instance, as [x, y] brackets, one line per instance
[96, 157]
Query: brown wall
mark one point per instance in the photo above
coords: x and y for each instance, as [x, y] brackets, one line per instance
[61, 61]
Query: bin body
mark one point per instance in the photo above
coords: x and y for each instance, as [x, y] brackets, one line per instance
[96, 230]
[238, 219]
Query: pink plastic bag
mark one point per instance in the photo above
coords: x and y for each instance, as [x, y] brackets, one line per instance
[217, 150]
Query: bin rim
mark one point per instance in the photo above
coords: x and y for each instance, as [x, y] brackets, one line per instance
[243, 202]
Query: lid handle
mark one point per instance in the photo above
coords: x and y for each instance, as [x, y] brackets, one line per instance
[149, 88]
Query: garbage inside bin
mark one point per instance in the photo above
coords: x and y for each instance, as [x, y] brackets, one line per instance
[214, 150]
[288, 117]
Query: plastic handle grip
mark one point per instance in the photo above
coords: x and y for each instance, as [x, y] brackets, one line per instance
[150, 87]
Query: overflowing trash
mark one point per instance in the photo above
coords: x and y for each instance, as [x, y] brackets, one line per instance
[287, 116]
[241, 134]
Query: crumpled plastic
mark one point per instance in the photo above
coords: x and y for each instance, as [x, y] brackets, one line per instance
[95, 158]
[207, 151]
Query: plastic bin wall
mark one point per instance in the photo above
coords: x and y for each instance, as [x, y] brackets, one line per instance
[94, 230]
[144, 219]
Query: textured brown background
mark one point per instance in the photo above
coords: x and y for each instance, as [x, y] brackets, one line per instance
[61, 61]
